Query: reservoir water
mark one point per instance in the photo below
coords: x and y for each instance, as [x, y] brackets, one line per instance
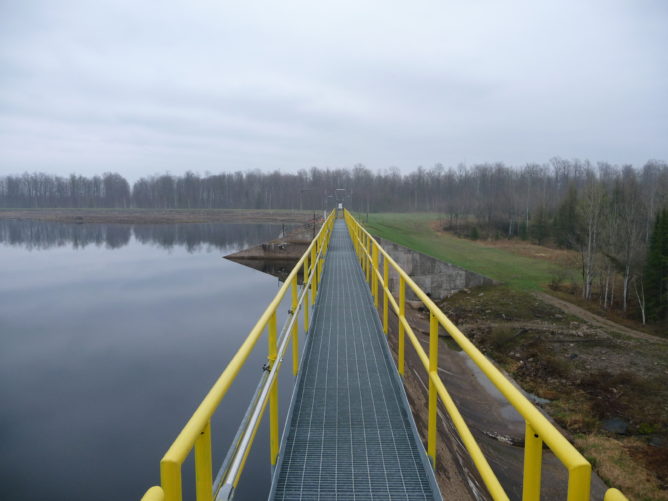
[110, 335]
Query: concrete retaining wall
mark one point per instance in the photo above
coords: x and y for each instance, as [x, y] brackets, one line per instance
[437, 278]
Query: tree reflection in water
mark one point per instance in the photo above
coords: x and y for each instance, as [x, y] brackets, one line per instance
[36, 235]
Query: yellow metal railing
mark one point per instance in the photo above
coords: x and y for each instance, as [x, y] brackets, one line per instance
[196, 434]
[538, 430]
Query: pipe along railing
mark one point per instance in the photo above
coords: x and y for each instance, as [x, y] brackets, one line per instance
[196, 434]
[538, 429]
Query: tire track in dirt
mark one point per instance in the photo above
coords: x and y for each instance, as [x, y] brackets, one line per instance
[596, 320]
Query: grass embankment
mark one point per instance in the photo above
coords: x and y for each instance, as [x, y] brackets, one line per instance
[415, 230]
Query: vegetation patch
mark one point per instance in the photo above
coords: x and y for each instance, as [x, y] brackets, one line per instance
[415, 231]
[608, 390]
[616, 461]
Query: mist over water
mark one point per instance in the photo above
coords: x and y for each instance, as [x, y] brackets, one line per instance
[110, 336]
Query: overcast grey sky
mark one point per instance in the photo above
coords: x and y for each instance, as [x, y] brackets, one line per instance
[154, 86]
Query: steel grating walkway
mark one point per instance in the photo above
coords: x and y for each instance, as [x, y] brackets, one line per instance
[350, 434]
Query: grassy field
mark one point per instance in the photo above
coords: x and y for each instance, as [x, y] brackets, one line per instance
[415, 230]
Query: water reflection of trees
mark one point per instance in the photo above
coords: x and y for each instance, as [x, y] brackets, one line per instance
[192, 236]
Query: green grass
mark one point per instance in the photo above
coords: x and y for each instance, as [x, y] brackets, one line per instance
[413, 230]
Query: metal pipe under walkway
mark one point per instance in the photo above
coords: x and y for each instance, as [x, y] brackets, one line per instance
[350, 434]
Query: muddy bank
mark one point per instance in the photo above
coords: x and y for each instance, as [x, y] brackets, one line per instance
[158, 216]
[279, 268]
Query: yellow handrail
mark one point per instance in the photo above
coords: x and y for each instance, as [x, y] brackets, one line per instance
[197, 431]
[538, 429]
[154, 494]
[614, 495]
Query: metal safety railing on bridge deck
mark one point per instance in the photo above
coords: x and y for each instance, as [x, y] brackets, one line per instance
[538, 430]
[197, 432]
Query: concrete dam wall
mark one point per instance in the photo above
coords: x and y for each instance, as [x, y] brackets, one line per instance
[437, 278]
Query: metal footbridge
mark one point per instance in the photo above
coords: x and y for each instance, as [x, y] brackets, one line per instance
[350, 433]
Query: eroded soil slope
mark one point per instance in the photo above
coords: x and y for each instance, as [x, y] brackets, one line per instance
[607, 387]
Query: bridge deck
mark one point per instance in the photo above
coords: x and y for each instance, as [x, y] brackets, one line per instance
[350, 434]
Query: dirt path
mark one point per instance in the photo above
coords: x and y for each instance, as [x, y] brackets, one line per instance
[597, 320]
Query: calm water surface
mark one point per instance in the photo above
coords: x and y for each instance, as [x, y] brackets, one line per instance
[110, 335]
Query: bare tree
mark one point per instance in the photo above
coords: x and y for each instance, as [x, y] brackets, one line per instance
[590, 207]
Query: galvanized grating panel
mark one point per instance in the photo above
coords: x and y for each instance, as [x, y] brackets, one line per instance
[350, 436]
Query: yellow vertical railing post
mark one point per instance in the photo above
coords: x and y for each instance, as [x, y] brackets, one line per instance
[362, 257]
[312, 259]
[321, 263]
[273, 392]
[156, 493]
[613, 494]
[533, 456]
[374, 270]
[362, 254]
[358, 234]
[321, 239]
[369, 252]
[433, 369]
[314, 270]
[369, 269]
[402, 315]
[306, 303]
[295, 328]
[355, 234]
[579, 482]
[203, 466]
[170, 480]
[386, 291]
[356, 231]
[365, 240]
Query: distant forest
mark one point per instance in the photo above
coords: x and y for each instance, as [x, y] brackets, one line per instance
[615, 216]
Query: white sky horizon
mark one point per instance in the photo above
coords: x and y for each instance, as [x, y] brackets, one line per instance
[148, 88]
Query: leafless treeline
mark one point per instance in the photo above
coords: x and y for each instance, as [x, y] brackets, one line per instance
[493, 193]
[40, 190]
[604, 211]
